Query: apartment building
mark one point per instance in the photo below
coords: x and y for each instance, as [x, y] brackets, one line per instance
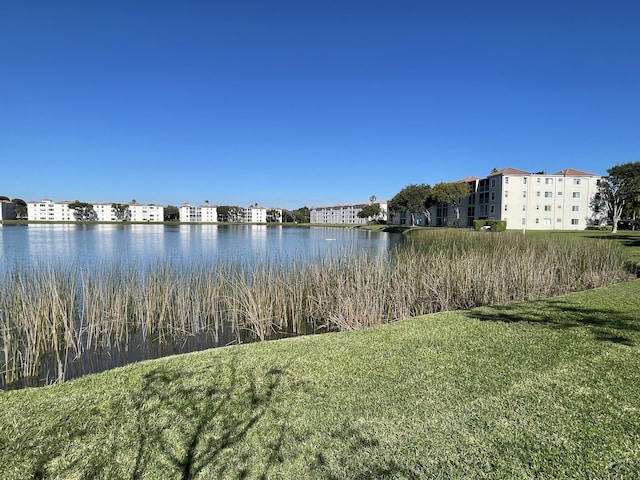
[146, 213]
[47, 210]
[104, 212]
[541, 201]
[530, 201]
[203, 213]
[209, 214]
[254, 214]
[344, 213]
[274, 215]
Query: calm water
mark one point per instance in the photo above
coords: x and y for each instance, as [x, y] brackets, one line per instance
[104, 243]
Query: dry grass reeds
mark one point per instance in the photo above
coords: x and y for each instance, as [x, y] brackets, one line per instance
[51, 317]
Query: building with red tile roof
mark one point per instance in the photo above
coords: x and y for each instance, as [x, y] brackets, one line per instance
[525, 200]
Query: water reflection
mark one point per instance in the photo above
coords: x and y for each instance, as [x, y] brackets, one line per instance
[91, 244]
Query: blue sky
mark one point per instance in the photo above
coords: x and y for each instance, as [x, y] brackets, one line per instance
[308, 102]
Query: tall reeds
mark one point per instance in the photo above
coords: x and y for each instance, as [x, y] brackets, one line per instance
[52, 319]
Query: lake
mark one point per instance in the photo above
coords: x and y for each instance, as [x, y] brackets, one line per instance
[39, 309]
[90, 244]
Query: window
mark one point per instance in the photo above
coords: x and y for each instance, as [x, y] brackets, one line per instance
[548, 194]
[524, 180]
[547, 221]
[537, 220]
[559, 193]
[547, 208]
[524, 194]
[524, 208]
[575, 221]
[524, 221]
[537, 194]
[505, 207]
[539, 180]
[576, 195]
[506, 194]
[548, 181]
[492, 209]
[576, 181]
[493, 196]
[493, 183]
[506, 180]
[575, 208]
[537, 207]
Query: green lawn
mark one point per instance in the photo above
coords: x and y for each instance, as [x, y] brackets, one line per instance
[546, 389]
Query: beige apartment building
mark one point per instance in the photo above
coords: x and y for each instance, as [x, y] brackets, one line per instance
[526, 201]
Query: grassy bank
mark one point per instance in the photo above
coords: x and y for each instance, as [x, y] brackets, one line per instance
[54, 318]
[544, 389]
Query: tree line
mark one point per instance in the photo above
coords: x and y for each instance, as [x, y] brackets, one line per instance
[419, 198]
[21, 206]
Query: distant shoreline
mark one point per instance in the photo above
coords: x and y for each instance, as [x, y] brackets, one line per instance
[382, 228]
[60, 222]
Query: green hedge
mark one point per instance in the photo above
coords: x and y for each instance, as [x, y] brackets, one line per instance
[494, 225]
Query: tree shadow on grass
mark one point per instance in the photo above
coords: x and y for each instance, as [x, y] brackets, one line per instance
[194, 430]
[606, 325]
[219, 421]
[626, 240]
[171, 424]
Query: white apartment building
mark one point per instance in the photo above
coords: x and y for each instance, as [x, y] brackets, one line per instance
[344, 213]
[204, 213]
[274, 215]
[530, 201]
[104, 212]
[146, 213]
[254, 214]
[46, 210]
